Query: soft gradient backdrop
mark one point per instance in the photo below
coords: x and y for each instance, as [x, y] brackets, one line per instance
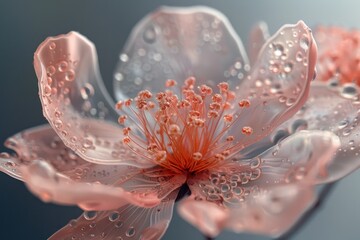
[24, 24]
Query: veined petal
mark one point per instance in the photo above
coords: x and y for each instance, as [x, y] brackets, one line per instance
[176, 43]
[50, 186]
[126, 222]
[272, 212]
[278, 86]
[216, 204]
[55, 173]
[75, 101]
[304, 156]
[334, 109]
[258, 36]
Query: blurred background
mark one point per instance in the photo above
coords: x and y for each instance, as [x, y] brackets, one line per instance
[25, 24]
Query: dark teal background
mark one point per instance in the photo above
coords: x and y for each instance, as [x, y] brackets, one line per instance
[24, 24]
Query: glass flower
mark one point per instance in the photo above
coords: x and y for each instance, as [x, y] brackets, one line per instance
[251, 144]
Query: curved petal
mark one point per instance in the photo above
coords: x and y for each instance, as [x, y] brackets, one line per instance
[126, 222]
[258, 36]
[55, 173]
[50, 186]
[278, 86]
[176, 43]
[273, 211]
[304, 156]
[75, 101]
[334, 109]
[267, 209]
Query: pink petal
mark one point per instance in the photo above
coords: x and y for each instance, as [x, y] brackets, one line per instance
[208, 217]
[260, 209]
[126, 222]
[75, 101]
[258, 36]
[176, 43]
[303, 156]
[55, 173]
[50, 186]
[334, 109]
[273, 211]
[278, 85]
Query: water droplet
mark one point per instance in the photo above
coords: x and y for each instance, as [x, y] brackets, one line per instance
[47, 90]
[290, 101]
[237, 190]
[124, 57]
[288, 67]
[299, 124]
[119, 76]
[62, 66]
[282, 99]
[87, 91]
[346, 132]
[130, 232]
[90, 215]
[342, 124]
[349, 91]
[238, 65]
[52, 46]
[58, 123]
[278, 49]
[70, 75]
[149, 35]
[299, 56]
[119, 224]
[87, 143]
[304, 42]
[225, 187]
[51, 70]
[114, 216]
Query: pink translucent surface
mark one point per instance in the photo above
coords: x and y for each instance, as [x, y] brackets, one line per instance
[265, 184]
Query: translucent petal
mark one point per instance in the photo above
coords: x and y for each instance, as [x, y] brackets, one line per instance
[50, 186]
[303, 156]
[258, 36]
[278, 85]
[272, 212]
[75, 101]
[176, 43]
[334, 109]
[218, 202]
[45, 160]
[127, 222]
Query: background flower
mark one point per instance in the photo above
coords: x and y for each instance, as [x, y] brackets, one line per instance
[19, 52]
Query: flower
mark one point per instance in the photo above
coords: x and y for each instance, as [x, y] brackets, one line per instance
[250, 144]
[338, 54]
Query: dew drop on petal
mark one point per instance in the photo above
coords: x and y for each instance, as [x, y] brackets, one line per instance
[87, 91]
[52, 46]
[114, 216]
[304, 43]
[90, 215]
[62, 66]
[70, 75]
[149, 35]
[130, 232]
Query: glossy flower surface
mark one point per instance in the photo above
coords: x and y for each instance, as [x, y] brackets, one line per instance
[251, 143]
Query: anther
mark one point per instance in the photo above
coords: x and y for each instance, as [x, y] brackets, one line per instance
[247, 130]
[244, 103]
[122, 119]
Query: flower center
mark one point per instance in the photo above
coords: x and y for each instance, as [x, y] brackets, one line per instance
[182, 129]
